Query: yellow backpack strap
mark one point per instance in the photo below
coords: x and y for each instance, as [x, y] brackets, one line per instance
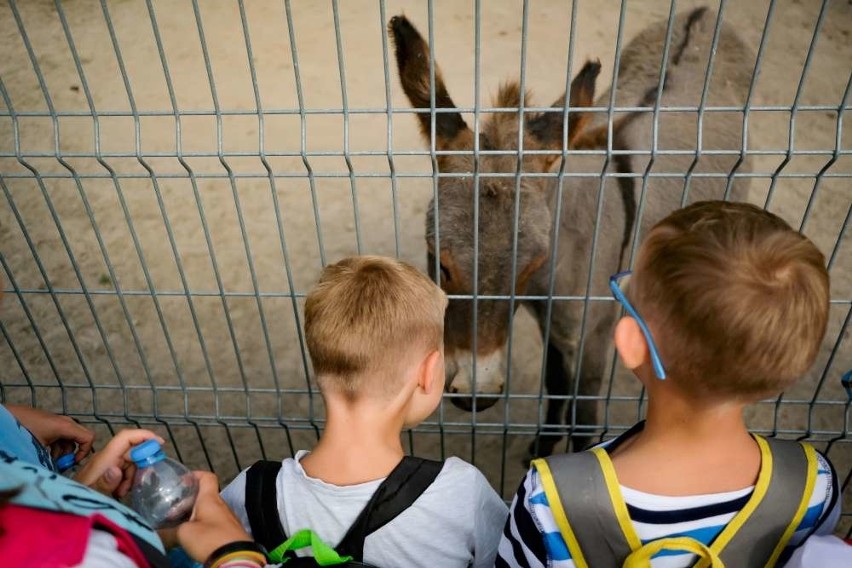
[758, 534]
[582, 504]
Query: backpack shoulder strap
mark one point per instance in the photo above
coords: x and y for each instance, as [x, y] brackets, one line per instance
[397, 493]
[262, 503]
[759, 533]
[583, 495]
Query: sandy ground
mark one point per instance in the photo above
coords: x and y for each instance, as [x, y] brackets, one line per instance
[211, 233]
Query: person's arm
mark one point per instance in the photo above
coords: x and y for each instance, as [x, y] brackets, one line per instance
[522, 543]
[213, 534]
[59, 434]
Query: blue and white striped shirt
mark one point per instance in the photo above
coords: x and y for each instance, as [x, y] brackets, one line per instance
[532, 539]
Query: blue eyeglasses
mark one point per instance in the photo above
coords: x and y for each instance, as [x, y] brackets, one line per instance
[618, 294]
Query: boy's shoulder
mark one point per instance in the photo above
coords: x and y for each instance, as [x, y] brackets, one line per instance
[459, 476]
[457, 467]
[456, 474]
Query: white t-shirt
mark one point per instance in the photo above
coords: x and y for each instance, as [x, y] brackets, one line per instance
[457, 521]
[103, 552]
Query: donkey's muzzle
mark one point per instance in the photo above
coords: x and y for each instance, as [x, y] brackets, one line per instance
[466, 403]
[481, 378]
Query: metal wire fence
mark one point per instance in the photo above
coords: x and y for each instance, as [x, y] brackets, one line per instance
[175, 175]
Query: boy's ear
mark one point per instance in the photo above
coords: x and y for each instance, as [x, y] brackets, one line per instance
[630, 343]
[427, 378]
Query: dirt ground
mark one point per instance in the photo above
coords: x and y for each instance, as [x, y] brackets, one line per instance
[222, 237]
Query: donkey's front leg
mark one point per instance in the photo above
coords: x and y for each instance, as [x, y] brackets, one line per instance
[582, 413]
[556, 383]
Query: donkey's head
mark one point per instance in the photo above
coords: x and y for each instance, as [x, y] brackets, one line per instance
[474, 244]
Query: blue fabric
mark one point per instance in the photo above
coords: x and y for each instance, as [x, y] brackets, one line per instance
[178, 558]
[19, 442]
[811, 517]
[556, 547]
[539, 499]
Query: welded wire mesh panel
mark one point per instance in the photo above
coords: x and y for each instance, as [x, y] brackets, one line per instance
[174, 176]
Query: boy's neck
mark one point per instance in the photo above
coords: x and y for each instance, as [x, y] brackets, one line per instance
[689, 448]
[360, 443]
[671, 419]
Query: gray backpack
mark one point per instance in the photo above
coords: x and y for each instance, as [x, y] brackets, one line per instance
[592, 517]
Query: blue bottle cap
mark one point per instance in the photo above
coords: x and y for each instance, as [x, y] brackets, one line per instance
[145, 450]
[65, 462]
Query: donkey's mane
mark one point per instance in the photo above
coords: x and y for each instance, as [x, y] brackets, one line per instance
[500, 131]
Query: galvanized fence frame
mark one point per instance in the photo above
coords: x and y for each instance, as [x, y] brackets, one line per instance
[19, 383]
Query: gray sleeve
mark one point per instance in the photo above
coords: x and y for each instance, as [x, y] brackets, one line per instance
[234, 495]
[822, 550]
[489, 518]
[831, 513]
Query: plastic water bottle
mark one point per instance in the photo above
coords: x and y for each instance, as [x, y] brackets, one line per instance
[163, 490]
[67, 465]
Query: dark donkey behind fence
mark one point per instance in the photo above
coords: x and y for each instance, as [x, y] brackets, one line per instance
[595, 213]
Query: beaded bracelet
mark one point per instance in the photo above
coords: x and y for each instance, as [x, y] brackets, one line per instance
[244, 550]
[239, 563]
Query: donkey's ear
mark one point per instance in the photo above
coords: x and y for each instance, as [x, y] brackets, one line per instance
[412, 59]
[547, 127]
[582, 95]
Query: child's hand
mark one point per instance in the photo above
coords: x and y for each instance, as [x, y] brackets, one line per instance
[58, 433]
[110, 471]
[212, 523]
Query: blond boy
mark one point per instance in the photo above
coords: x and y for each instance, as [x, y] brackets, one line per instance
[374, 329]
[727, 305]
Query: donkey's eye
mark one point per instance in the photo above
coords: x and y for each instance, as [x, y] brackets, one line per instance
[445, 274]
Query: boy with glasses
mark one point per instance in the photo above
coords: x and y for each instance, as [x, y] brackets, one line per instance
[727, 305]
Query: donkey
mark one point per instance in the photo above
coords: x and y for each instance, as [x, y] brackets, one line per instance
[594, 226]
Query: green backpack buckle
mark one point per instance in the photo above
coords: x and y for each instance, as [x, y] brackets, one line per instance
[323, 553]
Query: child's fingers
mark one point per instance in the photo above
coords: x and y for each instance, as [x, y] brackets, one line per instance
[212, 523]
[85, 440]
[114, 455]
[121, 444]
[62, 447]
[134, 436]
[71, 434]
[124, 488]
[108, 481]
[209, 505]
[208, 484]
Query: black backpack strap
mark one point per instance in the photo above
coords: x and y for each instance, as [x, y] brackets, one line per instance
[397, 493]
[262, 504]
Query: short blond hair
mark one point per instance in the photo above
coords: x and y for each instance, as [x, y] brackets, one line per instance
[367, 316]
[736, 299]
